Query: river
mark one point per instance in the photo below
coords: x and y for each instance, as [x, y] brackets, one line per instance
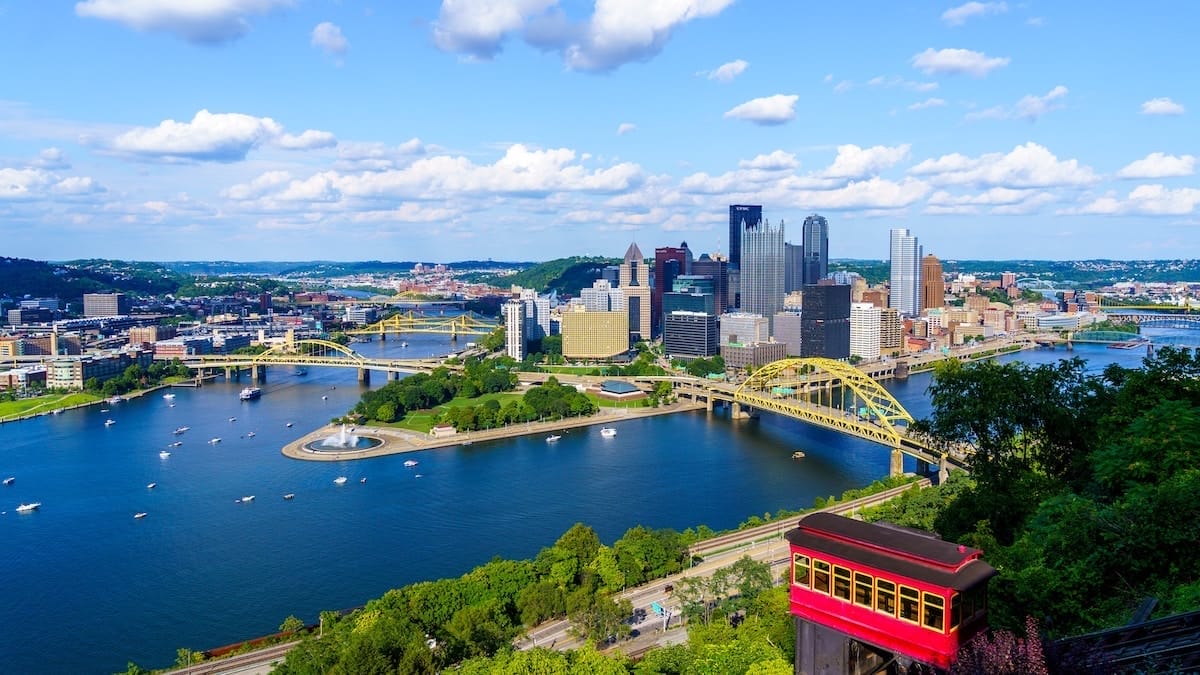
[87, 587]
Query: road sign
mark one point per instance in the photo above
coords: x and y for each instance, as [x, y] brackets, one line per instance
[656, 608]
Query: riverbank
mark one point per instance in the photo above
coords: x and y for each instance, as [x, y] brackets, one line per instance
[396, 441]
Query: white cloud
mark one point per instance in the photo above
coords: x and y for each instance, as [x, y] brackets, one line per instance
[198, 21]
[874, 193]
[957, 16]
[1151, 200]
[220, 137]
[625, 127]
[1026, 166]
[1159, 165]
[35, 184]
[776, 161]
[726, 72]
[328, 38]
[843, 87]
[1161, 106]
[932, 102]
[478, 27]
[897, 81]
[51, 159]
[359, 156]
[957, 62]
[1030, 107]
[768, 110]
[855, 162]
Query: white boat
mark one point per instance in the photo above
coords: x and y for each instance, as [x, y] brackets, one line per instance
[250, 393]
[151, 486]
[799, 454]
[170, 405]
[290, 495]
[180, 430]
[608, 432]
[247, 499]
[9, 480]
[324, 398]
[410, 462]
[115, 399]
[552, 438]
[288, 425]
[340, 480]
[109, 423]
[163, 454]
[26, 508]
[250, 434]
[139, 515]
[176, 444]
[213, 441]
[417, 476]
[169, 396]
[232, 419]
[363, 479]
[403, 344]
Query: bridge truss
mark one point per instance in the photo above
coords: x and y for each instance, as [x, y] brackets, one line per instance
[469, 324]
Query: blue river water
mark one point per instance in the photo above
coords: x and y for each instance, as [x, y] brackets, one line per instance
[86, 587]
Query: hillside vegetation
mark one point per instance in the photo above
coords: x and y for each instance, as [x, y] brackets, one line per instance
[565, 275]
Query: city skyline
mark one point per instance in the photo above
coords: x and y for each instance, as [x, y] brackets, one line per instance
[275, 130]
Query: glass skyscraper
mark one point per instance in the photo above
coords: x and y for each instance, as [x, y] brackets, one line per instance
[762, 270]
[816, 249]
[741, 217]
[905, 292]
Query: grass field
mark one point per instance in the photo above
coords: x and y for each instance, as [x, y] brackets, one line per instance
[422, 420]
[40, 404]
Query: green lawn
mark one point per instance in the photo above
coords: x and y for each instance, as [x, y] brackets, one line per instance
[609, 403]
[422, 420]
[33, 406]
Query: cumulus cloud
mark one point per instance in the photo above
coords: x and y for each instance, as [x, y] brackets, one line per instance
[220, 137]
[328, 38]
[478, 27]
[957, 16]
[1161, 106]
[1159, 165]
[776, 161]
[957, 62]
[1150, 200]
[51, 159]
[768, 110]
[197, 21]
[726, 72]
[874, 193]
[897, 81]
[932, 102]
[625, 127]
[855, 162]
[30, 184]
[1026, 166]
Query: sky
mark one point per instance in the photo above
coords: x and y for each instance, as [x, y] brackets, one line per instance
[537, 129]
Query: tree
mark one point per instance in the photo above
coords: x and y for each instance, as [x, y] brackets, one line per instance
[291, 624]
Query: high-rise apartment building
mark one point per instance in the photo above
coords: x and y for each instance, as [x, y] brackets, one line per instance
[762, 270]
[602, 297]
[891, 330]
[669, 262]
[742, 217]
[1008, 279]
[717, 269]
[635, 285]
[537, 315]
[933, 288]
[793, 267]
[905, 291]
[865, 327]
[825, 321]
[816, 249]
[514, 329]
[105, 304]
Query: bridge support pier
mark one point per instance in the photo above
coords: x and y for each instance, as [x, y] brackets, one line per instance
[258, 373]
[897, 464]
[364, 376]
[228, 373]
[708, 403]
[943, 470]
[736, 412]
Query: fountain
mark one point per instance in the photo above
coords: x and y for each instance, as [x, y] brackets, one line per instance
[343, 440]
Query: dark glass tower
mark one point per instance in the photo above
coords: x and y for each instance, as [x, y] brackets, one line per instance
[741, 217]
[825, 321]
[816, 249]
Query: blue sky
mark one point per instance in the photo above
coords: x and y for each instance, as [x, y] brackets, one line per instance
[534, 129]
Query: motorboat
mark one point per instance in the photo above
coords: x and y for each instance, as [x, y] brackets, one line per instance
[214, 441]
[176, 444]
[301, 371]
[163, 454]
[363, 479]
[250, 434]
[151, 486]
[169, 397]
[9, 480]
[139, 515]
[247, 499]
[417, 476]
[324, 398]
[115, 399]
[288, 425]
[340, 480]
[26, 508]
[232, 419]
[109, 423]
[250, 393]
[553, 438]
[180, 430]
[799, 454]
[608, 432]
[410, 462]
[403, 344]
[290, 495]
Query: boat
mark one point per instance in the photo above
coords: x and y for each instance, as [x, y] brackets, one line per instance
[26, 508]
[247, 499]
[169, 396]
[139, 515]
[288, 425]
[403, 344]
[151, 486]
[340, 480]
[176, 444]
[250, 393]
[250, 434]
[214, 441]
[163, 454]
[608, 432]
[363, 479]
[115, 399]
[417, 476]
[301, 371]
[9, 480]
[170, 405]
[324, 398]
[232, 419]
[180, 430]
[799, 454]
[410, 462]
[290, 495]
[103, 410]
[109, 423]
[552, 438]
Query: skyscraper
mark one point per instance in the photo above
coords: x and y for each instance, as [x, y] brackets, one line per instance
[669, 262]
[816, 249]
[825, 321]
[717, 269]
[742, 217]
[933, 288]
[865, 326]
[762, 270]
[793, 267]
[514, 329]
[905, 291]
[635, 284]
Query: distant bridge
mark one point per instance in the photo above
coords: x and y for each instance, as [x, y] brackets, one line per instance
[469, 324]
[309, 353]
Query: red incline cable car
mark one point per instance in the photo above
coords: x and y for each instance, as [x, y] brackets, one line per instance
[894, 588]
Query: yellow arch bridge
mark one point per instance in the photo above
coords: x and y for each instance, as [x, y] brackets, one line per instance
[836, 395]
[470, 324]
[309, 353]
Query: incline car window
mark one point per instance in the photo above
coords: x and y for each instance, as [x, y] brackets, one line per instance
[800, 570]
[820, 576]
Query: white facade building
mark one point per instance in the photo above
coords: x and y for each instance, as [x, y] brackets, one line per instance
[514, 329]
[865, 327]
[744, 328]
[905, 292]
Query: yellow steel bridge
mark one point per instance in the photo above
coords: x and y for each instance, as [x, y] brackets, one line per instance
[310, 353]
[469, 324]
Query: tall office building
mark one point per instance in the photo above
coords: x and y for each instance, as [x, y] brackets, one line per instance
[891, 330]
[715, 268]
[762, 270]
[742, 217]
[905, 291]
[514, 329]
[537, 315]
[669, 263]
[865, 327]
[743, 328]
[602, 297]
[825, 321]
[690, 334]
[793, 267]
[635, 284]
[105, 304]
[933, 288]
[594, 335]
[816, 249]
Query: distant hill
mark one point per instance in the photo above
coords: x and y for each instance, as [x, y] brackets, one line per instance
[322, 268]
[70, 280]
[565, 275]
